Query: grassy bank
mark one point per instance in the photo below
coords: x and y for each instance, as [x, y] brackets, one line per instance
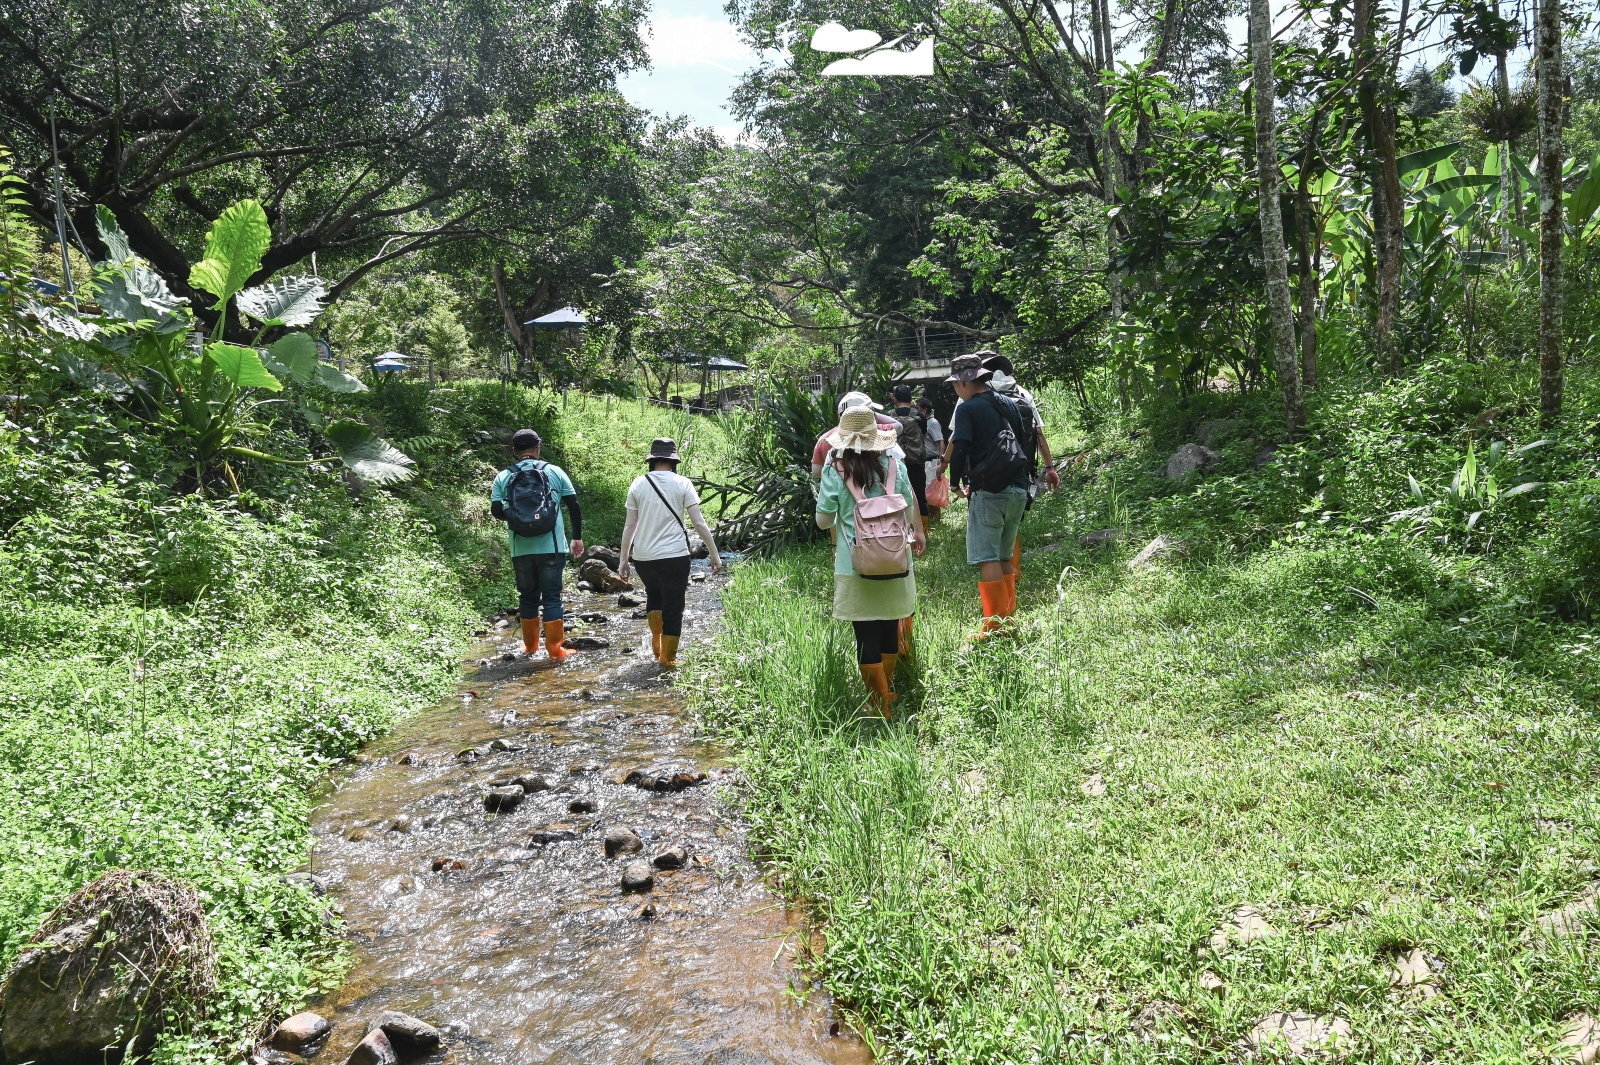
[180, 673]
[1374, 731]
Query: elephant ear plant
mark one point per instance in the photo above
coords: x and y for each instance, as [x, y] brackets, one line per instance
[209, 390]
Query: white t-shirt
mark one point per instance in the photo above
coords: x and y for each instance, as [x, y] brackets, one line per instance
[660, 532]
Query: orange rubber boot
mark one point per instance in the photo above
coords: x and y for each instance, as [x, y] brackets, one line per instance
[890, 662]
[554, 633]
[993, 594]
[655, 633]
[877, 687]
[530, 635]
[669, 652]
[906, 624]
[1010, 580]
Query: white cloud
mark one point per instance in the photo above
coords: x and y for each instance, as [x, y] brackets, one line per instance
[682, 42]
[833, 37]
[887, 61]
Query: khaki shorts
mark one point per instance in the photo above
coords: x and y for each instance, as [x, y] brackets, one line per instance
[993, 521]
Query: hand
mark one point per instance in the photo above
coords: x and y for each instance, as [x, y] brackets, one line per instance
[718, 567]
[577, 548]
[919, 546]
[966, 491]
[1052, 478]
[623, 571]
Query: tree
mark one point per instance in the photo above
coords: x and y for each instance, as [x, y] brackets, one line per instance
[1274, 257]
[368, 131]
[1552, 230]
[1388, 207]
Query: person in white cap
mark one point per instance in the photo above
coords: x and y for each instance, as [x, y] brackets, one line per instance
[819, 454]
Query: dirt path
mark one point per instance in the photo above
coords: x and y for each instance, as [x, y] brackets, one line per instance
[511, 931]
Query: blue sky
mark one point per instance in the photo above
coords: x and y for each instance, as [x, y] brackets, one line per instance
[696, 58]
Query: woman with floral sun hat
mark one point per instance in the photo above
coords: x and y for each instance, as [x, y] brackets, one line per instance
[866, 496]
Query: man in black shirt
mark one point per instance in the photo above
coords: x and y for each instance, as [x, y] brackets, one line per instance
[986, 454]
[914, 442]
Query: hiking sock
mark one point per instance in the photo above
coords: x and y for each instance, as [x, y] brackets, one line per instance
[993, 594]
[877, 687]
[530, 635]
[554, 633]
[669, 652]
[655, 633]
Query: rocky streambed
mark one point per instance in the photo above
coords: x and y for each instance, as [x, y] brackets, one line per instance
[547, 869]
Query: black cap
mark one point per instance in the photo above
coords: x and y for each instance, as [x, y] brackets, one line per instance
[525, 440]
[662, 449]
[999, 364]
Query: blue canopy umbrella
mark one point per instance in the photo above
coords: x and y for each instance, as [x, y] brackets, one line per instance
[565, 318]
[389, 362]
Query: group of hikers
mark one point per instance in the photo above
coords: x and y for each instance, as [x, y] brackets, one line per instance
[883, 477]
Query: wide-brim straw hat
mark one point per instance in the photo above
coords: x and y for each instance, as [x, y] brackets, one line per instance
[662, 449]
[858, 431]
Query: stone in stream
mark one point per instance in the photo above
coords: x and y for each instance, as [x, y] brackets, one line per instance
[503, 800]
[471, 754]
[532, 782]
[671, 858]
[556, 833]
[620, 839]
[582, 805]
[401, 824]
[299, 1031]
[506, 745]
[410, 1037]
[375, 1049]
[586, 643]
[638, 877]
[602, 578]
[595, 618]
[663, 778]
[627, 600]
[611, 556]
[448, 864]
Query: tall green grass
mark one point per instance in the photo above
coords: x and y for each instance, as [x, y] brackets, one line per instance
[1360, 733]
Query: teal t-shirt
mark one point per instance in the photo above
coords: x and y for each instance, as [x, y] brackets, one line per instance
[834, 498]
[555, 541]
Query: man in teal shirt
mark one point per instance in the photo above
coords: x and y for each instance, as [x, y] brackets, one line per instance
[538, 561]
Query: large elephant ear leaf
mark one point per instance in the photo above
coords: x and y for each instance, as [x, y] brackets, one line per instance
[242, 366]
[111, 235]
[287, 301]
[137, 293]
[368, 455]
[336, 380]
[293, 355]
[238, 239]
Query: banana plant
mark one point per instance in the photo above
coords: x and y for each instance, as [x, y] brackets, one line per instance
[211, 391]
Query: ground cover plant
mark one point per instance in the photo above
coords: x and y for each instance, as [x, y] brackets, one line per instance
[1336, 705]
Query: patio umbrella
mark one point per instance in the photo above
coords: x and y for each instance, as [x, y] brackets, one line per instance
[565, 318]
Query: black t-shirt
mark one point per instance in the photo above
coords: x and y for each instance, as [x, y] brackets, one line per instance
[975, 429]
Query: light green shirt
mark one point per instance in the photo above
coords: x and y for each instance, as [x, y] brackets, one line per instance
[553, 542]
[836, 499]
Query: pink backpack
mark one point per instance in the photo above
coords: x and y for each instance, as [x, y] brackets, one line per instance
[881, 548]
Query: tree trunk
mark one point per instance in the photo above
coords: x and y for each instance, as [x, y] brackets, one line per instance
[1388, 207]
[1503, 95]
[1552, 231]
[1307, 237]
[1274, 258]
[519, 337]
[1105, 59]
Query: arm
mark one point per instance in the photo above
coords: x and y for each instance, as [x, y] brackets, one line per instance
[497, 497]
[575, 516]
[629, 527]
[1052, 478]
[918, 543]
[700, 526]
[958, 461]
[828, 499]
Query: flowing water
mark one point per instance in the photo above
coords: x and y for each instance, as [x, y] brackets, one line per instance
[511, 931]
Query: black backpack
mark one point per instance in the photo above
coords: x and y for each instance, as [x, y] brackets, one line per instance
[913, 437]
[1005, 460]
[531, 506]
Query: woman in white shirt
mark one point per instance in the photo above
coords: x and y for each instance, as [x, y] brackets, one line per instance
[655, 541]
[936, 442]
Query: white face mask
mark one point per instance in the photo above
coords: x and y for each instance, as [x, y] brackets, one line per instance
[1001, 382]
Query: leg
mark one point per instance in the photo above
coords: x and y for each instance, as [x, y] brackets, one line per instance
[869, 657]
[889, 647]
[551, 567]
[1016, 505]
[524, 569]
[651, 576]
[675, 584]
[985, 532]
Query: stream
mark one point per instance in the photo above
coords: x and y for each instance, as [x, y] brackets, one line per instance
[511, 931]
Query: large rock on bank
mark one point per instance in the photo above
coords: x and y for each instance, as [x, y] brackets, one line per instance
[97, 977]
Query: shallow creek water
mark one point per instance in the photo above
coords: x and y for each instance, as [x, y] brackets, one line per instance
[530, 952]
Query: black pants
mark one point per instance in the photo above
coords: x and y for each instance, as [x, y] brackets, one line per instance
[874, 639]
[918, 473]
[666, 580]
